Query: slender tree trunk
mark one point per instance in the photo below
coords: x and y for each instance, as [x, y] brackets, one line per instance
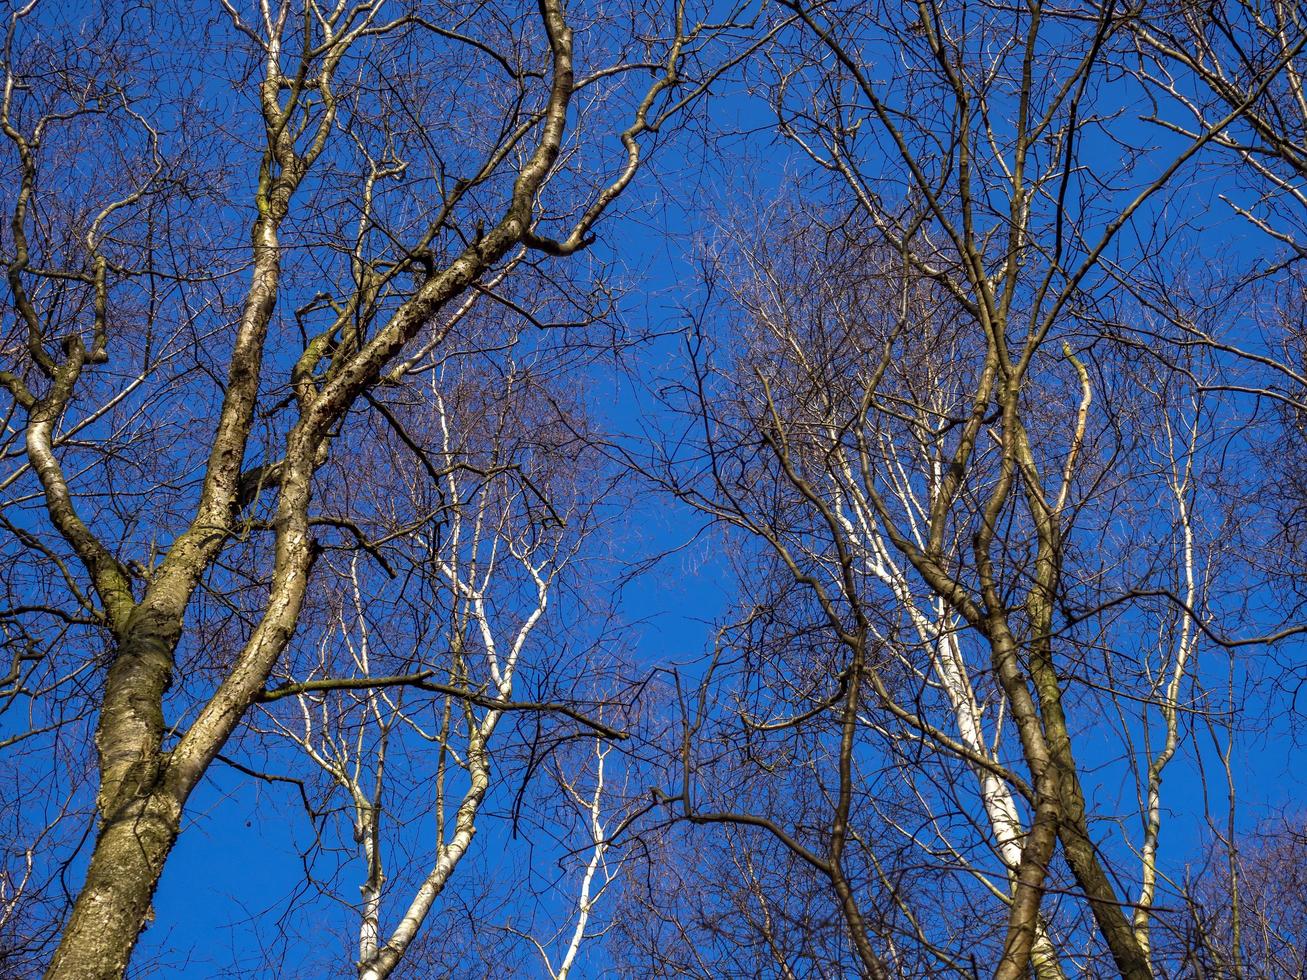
[1028, 894]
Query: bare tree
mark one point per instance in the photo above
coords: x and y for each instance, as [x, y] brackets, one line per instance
[205, 287]
[1203, 64]
[511, 518]
[602, 859]
[299, 479]
[1247, 918]
[930, 423]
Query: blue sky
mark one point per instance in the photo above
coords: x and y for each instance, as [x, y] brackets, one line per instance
[240, 856]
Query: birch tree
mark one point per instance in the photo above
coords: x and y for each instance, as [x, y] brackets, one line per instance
[226, 231]
[920, 423]
[394, 711]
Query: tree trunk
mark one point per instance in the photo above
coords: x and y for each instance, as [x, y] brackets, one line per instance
[114, 904]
